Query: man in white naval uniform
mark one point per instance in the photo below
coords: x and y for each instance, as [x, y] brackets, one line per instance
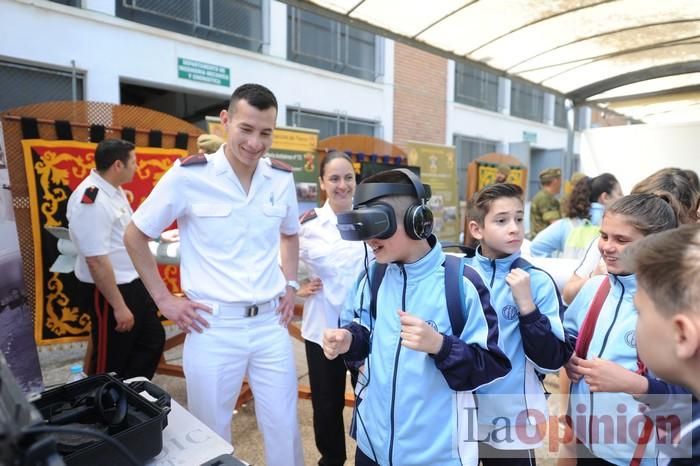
[237, 215]
[127, 336]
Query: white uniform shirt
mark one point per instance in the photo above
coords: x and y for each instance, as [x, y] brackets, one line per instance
[97, 229]
[336, 262]
[229, 240]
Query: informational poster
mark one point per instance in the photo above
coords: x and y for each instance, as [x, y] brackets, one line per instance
[438, 166]
[297, 147]
[488, 171]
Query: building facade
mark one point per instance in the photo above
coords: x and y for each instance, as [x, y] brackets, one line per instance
[185, 57]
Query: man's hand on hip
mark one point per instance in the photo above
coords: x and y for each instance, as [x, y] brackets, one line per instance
[184, 313]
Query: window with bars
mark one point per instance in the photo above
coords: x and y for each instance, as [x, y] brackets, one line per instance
[476, 87]
[526, 101]
[331, 124]
[560, 111]
[239, 23]
[324, 43]
[468, 149]
[27, 84]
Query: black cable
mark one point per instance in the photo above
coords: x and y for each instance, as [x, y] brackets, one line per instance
[88, 432]
[369, 355]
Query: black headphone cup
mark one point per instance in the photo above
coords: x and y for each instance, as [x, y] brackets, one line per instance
[418, 222]
[111, 403]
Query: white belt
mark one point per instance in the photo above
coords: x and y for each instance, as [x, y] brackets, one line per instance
[243, 309]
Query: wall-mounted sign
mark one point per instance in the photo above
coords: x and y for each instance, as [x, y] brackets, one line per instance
[203, 72]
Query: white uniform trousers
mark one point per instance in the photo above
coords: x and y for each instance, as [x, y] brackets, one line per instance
[215, 363]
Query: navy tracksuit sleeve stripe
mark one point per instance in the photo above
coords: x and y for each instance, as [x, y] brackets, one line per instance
[359, 347]
[542, 347]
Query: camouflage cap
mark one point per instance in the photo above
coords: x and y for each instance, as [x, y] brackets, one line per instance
[548, 174]
[209, 143]
[576, 177]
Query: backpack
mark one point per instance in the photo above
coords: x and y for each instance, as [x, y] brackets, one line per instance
[579, 238]
[455, 269]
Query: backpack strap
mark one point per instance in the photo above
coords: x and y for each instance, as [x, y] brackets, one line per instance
[455, 269]
[521, 263]
[377, 277]
[454, 293]
[588, 327]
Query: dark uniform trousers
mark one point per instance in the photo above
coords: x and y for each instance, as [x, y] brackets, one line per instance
[129, 354]
[327, 380]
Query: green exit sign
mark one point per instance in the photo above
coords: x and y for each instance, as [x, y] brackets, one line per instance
[203, 72]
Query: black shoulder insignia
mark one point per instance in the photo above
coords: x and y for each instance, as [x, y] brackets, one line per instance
[308, 215]
[90, 195]
[274, 163]
[196, 159]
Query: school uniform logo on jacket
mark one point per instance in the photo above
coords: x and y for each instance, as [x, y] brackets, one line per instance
[510, 312]
[631, 339]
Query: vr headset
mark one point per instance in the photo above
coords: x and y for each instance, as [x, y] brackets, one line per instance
[377, 219]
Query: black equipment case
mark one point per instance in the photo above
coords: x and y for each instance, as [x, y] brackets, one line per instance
[106, 404]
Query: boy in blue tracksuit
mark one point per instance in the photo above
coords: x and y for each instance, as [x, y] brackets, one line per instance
[668, 325]
[530, 329]
[415, 405]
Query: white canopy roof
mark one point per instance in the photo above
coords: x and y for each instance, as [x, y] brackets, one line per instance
[637, 57]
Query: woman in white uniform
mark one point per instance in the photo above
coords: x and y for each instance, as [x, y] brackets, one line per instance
[333, 266]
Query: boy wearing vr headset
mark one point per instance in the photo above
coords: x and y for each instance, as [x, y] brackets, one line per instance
[415, 405]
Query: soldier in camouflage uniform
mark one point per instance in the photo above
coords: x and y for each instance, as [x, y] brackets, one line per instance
[544, 208]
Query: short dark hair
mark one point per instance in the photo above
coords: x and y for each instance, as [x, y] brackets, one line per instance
[399, 202]
[109, 151]
[256, 95]
[481, 204]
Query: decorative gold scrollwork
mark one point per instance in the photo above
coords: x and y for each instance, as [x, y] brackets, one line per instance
[62, 319]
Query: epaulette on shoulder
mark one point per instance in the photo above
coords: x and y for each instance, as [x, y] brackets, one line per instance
[90, 195]
[308, 215]
[195, 159]
[274, 163]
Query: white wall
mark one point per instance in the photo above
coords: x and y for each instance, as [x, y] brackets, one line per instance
[475, 122]
[633, 152]
[109, 49]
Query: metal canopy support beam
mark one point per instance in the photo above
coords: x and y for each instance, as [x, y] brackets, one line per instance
[581, 94]
[695, 88]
